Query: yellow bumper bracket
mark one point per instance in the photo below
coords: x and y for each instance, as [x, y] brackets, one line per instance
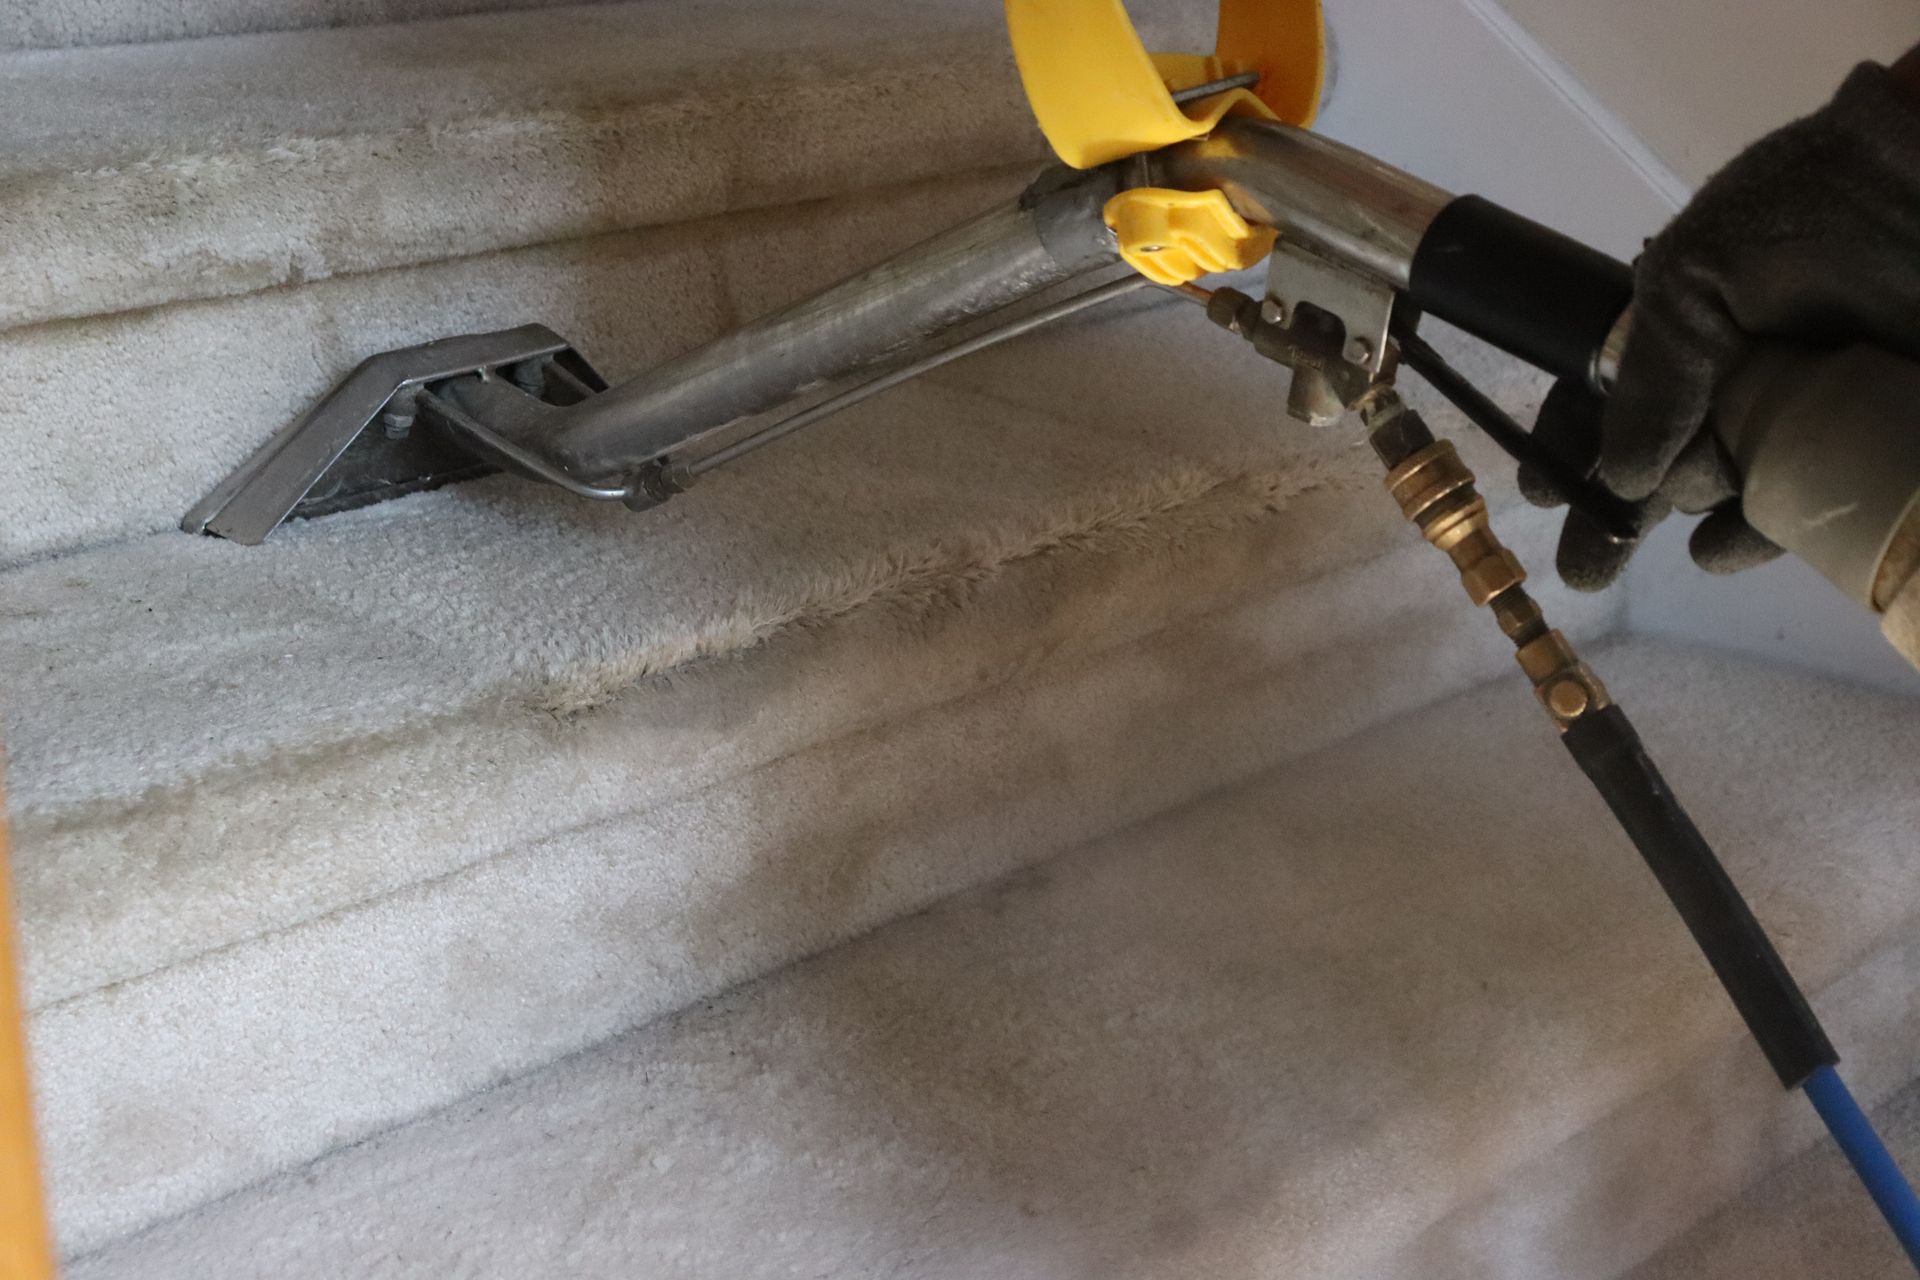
[1172, 237]
[1100, 96]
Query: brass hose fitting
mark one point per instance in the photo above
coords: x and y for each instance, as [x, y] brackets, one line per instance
[1435, 490]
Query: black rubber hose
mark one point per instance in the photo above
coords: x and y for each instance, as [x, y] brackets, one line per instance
[1527, 289]
[1610, 753]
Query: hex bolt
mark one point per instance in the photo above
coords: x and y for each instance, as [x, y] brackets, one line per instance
[1359, 350]
[1273, 311]
[397, 423]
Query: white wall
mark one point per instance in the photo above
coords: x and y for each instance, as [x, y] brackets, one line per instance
[1784, 611]
[1454, 92]
[1698, 79]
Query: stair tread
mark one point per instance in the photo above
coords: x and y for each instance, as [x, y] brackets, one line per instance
[1287, 1028]
[503, 588]
[212, 167]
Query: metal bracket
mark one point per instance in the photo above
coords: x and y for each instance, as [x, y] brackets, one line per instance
[366, 441]
[1329, 325]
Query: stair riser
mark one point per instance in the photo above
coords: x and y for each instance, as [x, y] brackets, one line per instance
[274, 1050]
[116, 425]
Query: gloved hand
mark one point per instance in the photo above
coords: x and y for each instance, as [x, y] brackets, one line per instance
[1811, 235]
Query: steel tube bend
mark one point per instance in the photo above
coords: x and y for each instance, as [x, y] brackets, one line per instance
[1052, 233]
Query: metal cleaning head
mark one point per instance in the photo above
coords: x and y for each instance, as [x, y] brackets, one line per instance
[370, 440]
[524, 401]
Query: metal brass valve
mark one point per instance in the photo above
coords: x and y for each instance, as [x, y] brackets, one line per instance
[1435, 490]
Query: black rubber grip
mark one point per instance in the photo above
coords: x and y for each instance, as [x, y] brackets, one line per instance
[1523, 287]
[1609, 752]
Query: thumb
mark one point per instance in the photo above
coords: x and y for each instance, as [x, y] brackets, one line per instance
[1725, 543]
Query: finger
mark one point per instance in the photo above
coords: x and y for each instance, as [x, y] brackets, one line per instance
[1588, 558]
[1682, 344]
[1725, 543]
[1701, 477]
[1566, 432]
[1537, 489]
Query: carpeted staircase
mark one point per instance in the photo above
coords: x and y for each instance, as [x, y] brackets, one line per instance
[437, 882]
[1403, 1008]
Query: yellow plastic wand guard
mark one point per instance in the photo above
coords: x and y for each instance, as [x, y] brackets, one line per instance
[26, 1245]
[1100, 96]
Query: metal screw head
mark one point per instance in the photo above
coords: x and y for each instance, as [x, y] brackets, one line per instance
[1273, 311]
[1359, 350]
[397, 424]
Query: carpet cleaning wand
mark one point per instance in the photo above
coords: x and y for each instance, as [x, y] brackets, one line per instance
[1185, 166]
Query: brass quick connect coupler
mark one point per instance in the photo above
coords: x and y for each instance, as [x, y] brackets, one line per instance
[1435, 490]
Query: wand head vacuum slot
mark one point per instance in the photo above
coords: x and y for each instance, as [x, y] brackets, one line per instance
[365, 442]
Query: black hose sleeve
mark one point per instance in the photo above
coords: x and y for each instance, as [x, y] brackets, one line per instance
[1610, 753]
[1525, 288]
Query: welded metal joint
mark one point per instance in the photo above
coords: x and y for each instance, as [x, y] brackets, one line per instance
[1317, 193]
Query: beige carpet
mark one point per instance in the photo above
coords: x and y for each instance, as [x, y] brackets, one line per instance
[1410, 1007]
[367, 773]
[1807, 1221]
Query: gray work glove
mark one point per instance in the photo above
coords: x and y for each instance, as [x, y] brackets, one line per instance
[1811, 236]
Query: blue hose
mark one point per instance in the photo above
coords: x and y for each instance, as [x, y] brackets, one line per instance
[1868, 1156]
